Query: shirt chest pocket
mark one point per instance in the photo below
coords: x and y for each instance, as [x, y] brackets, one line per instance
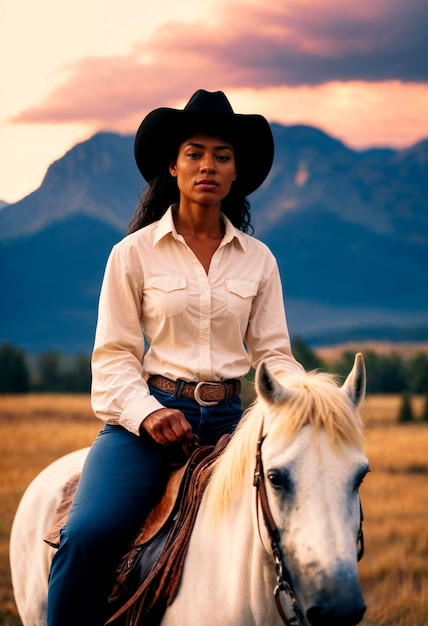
[241, 293]
[167, 294]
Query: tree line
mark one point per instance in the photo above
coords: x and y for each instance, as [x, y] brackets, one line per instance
[52, 371]
[49, 371]
[386, 373]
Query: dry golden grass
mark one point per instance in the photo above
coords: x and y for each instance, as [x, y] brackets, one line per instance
[35, 430]
[394, 571]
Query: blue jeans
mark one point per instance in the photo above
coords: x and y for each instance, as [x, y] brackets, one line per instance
[121, 480]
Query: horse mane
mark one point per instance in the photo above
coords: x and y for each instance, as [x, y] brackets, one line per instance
[316, 400]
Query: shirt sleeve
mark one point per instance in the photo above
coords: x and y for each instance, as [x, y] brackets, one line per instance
[119, 393]
[267, 335]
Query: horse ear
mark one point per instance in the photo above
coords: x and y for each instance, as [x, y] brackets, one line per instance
[268, 387]
[355, 384]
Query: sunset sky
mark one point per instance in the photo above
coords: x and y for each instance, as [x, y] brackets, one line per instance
[357, 69]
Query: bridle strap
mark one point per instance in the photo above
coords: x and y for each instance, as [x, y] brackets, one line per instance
[283, 582]
[259, 483]
[292, 621]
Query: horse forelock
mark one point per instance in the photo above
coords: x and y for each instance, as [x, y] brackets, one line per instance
[316, 399]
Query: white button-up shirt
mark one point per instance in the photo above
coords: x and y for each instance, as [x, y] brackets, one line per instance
[161, 313]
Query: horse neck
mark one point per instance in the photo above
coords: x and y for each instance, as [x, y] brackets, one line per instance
[229, 551]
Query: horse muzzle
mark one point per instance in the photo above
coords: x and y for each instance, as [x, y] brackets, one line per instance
[343, 607]
[335, 600]
[336, 614]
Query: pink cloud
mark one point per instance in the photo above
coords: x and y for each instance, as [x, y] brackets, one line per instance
[252, 46]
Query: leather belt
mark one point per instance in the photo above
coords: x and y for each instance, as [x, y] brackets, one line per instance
[204, 393]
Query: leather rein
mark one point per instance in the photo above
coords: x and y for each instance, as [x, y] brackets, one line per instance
[283, 581]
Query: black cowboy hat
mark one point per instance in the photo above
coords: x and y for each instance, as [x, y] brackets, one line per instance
[163, 130]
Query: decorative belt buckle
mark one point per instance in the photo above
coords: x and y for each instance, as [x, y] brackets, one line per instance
[198, 397]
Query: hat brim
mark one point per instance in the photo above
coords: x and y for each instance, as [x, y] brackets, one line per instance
[163, 130]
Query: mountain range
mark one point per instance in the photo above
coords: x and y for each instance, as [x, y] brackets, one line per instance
[349, 230]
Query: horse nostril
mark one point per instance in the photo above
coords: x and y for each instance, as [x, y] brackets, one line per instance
[326, 616]
[315, 616]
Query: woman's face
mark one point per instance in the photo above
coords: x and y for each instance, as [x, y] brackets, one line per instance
[205, 169]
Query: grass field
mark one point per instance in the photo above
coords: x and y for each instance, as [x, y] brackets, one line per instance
[35, 430]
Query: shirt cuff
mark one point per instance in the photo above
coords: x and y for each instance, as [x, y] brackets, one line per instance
[136, 413]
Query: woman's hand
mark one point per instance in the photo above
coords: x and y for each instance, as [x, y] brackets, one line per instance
[167, 426]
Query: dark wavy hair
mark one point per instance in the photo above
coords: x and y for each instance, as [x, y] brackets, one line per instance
[162, 191]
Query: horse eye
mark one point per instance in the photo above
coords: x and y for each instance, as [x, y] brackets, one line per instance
[360, 477]
[280, 480]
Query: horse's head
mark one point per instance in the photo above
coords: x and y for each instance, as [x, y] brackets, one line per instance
[313, 464]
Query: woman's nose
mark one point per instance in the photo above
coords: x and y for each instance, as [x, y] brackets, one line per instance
[208, 164]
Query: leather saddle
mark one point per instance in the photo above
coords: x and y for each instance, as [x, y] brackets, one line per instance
[149, 574]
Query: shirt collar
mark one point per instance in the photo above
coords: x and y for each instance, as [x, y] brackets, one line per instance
[166, 227]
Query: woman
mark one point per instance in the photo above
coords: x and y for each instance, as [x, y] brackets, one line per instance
[189, 303]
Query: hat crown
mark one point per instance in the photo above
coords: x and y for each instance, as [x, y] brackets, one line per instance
[204, 101]
[163, 130]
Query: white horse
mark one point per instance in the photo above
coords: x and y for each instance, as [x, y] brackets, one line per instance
[275, 539]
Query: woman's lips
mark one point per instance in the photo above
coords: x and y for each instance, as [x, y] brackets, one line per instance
[207, 184]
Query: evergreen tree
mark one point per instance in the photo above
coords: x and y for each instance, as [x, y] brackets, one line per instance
[406, 411]
[14, 373]
[425, 410]
[49, 370]
[305, 355]
[418, 373]
[78, 378]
